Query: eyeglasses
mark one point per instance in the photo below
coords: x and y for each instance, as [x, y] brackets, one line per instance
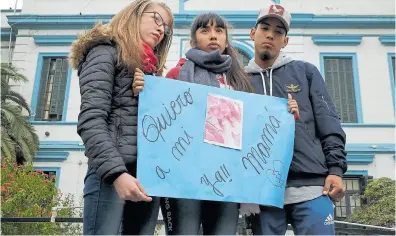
[160, 22]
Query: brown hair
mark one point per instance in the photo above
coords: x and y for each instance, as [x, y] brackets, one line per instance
[237, 76]
[125, 29]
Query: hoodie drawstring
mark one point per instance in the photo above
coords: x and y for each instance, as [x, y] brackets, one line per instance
[263, 80]
[271, 82]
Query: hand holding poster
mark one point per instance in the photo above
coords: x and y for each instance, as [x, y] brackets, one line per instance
[207, 143]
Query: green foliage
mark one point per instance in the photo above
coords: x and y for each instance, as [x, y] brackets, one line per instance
[380, 207]
[29, 193]
[19, 140]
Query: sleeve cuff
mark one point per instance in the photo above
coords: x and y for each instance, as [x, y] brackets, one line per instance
[335, 170]
[110, 179]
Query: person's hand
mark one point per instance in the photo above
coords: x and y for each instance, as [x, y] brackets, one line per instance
[129, 188]
[138, 82]
[337, 191]
[293, 107]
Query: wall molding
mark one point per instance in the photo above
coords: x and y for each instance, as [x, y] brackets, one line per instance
[5, 34]
[10, 10]
[337, 40]
[357, 125]
[246, 49]
[60, 123]
[360, 159]
[183, 20]
[356, 172]
[62, 145]
[54, 40]
[51, 156]
[387, 40]
[383, 148]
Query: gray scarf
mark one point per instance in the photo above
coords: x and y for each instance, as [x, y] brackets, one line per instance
[202, 67]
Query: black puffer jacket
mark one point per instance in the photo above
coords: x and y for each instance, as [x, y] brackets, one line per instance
[107, 122]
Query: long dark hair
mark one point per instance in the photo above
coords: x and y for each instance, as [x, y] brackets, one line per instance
[236, 76]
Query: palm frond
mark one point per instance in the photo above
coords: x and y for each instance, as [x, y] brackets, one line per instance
[9, 114]
[9, 71]
[26, 149]
[7, 145]
[18, 99]
[19, 139]
[19, 129]
[33, 142]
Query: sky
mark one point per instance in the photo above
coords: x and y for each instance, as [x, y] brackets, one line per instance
[6, 4]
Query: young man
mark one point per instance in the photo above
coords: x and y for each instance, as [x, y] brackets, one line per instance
[319, 159]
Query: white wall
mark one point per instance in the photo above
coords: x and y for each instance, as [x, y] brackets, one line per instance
[224, 5]
[370, 135]
[4, 20]
[352, 7]
[57, 132]
[84, 6]
[383, 165]
[5, 50]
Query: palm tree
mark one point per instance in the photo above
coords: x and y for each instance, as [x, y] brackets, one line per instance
[18, 138]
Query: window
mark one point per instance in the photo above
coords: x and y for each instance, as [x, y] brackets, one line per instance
[242, 58]
[393, 71]
[52, 89]
[343, 87]
[52, 172]
[351, 202]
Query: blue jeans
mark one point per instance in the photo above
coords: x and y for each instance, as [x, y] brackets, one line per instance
[314, 217]
[106, 214]
[184, 217]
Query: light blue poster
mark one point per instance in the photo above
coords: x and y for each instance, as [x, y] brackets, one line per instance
[201, 142]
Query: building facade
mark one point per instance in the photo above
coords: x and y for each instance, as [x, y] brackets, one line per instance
[351, 42]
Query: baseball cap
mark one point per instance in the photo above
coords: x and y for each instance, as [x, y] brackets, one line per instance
[276, 11]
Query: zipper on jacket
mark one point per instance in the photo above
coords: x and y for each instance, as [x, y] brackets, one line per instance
[325, 103]
[307, 131]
